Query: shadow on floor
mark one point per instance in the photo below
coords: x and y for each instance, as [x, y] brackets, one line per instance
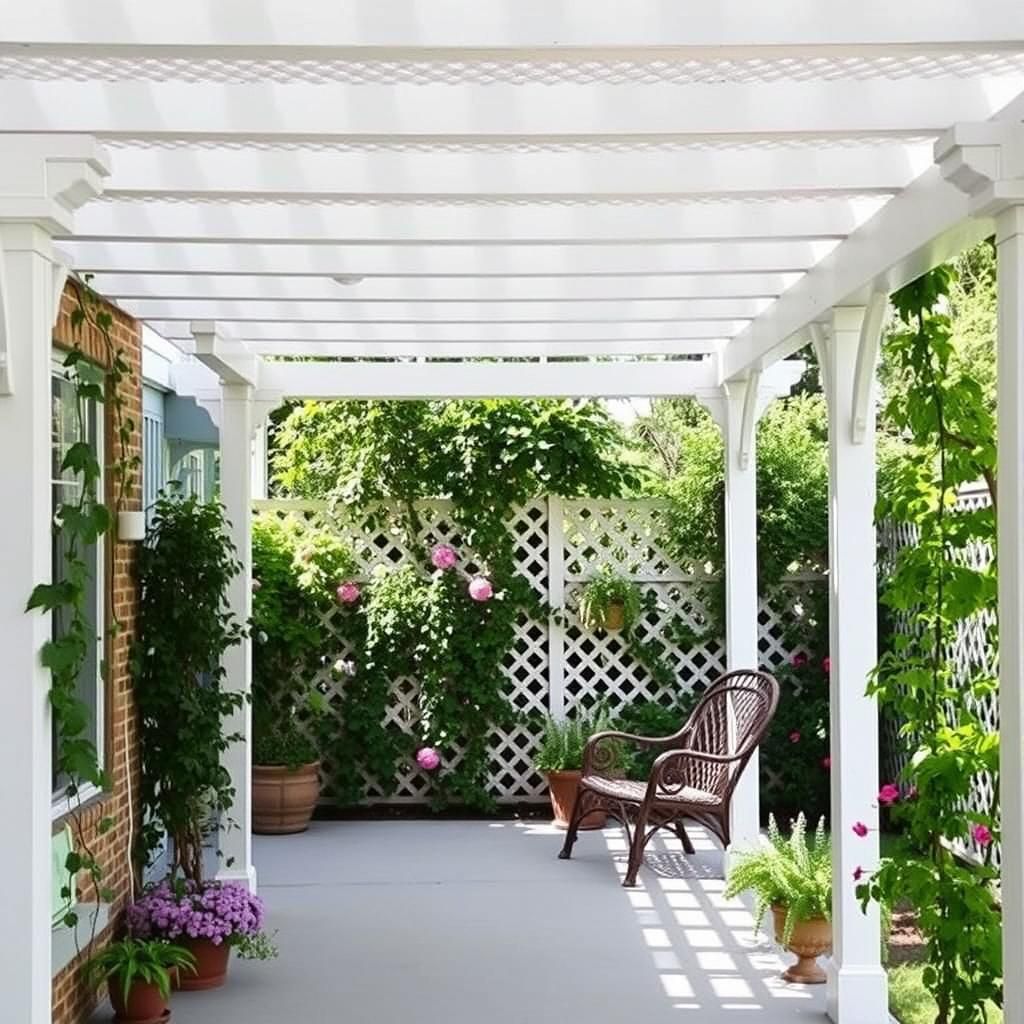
[470, 922]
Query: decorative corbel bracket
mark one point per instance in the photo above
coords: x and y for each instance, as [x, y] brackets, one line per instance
[867, 356]
[986, 162]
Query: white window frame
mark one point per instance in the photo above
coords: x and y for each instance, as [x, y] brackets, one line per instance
[61, 804]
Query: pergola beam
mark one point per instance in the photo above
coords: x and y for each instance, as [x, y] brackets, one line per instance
[309, 111]
[984, 24]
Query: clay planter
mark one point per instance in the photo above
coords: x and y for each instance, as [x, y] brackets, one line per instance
[615, 616]
[563, 787]
[810, 939]
[144, 1004]
[211, 965]
[283, 798]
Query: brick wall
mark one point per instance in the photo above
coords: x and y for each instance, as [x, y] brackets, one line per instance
[72, 1001]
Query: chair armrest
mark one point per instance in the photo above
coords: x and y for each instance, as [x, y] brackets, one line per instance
[597, 760]
[663, 764]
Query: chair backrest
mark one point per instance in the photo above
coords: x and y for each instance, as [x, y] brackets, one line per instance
[730, 720]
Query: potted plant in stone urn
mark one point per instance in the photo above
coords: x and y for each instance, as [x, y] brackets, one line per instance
[559, 759]
[609, 601]
[793, 880]
[138, 973]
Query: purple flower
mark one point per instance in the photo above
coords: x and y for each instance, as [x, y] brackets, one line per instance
[858, 874]
[218, 911]
[443, 557]
[798, 660]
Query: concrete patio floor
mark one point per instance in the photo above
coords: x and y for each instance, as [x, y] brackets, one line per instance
[470, 922]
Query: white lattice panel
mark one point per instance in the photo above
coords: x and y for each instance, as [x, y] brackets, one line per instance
[630, 536]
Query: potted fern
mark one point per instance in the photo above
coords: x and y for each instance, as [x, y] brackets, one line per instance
[560, 759]
[609, 601]
[794, 880]
[138, 975]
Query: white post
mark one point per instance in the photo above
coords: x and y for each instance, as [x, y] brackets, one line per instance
[236, 435]
[556, 601]
[741, 596]
[259, 462]
[857, 991]
[1010, 525]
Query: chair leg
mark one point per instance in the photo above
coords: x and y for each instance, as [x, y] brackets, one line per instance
[684, 838]
[579, 809]
[636, 849]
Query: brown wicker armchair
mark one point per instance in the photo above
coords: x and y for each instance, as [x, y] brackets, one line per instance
[693, 778]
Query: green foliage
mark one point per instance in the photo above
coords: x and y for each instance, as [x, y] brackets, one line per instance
[945, 421]
[416, 622]
[911, 1003]
[603, 590]
[129, 961]
[283, 744]
[184, 629]
[653, 720]
[786, 873]
[562, 740]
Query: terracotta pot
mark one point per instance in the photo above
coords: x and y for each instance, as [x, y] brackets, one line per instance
[810, 939]
[283, 799]
[563, 787]
[615, 616]
[211, 965]
[144, 1004]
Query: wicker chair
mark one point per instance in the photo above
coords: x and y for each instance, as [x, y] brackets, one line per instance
[693, 778]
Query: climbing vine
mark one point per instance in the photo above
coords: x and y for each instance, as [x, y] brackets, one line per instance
[79, 524]
[942, 415]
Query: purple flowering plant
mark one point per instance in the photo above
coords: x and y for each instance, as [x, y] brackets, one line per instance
[217, 911]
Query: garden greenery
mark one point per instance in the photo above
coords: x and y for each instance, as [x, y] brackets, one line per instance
[185, 627]
[448, 626]
[945, 418]
[605, 589]
[132, 961]
[563, 740]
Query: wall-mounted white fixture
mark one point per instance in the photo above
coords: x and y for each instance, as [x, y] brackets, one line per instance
[131, 526]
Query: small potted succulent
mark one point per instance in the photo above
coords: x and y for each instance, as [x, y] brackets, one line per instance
[560, 759]
[138, 973]
[208, 919]
[609, 601]
[795, 882]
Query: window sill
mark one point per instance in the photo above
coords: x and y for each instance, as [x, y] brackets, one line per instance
[65, 942]
[89, 798]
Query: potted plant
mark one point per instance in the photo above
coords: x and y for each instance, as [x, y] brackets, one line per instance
[609, 601]
[285, 778]
[208, 919]
[795, 882]
[560, 759]
[138, 973]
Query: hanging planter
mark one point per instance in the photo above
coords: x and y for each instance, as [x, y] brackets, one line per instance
[609, 601]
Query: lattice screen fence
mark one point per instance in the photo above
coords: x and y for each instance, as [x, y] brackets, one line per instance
[971, 654]
[553, 665]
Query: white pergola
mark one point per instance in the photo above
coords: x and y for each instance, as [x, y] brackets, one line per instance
[598, 198]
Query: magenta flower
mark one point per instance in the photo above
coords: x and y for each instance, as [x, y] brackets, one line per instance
[981, 834]
[858, 874]
[428, 758]
[443, 556]
[889, 794]
[798, 660]
[826, 665]
[794, 736]
[860, 829]
[826, 763]
[480, 589]
[348, 593]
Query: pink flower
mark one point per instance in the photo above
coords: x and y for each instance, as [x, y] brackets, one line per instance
[798, 660]
[826, 665]
[889, 794]
[794, 736]
[480, 589]
[348, 593]
[443, 556]
[826, 763]
[981, 834]
[860, 829]
[256, 585]
[858, 874]
[428, 758]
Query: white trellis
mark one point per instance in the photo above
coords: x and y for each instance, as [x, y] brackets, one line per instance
[553, 666]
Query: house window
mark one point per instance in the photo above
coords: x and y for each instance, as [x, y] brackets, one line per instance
[67, 428]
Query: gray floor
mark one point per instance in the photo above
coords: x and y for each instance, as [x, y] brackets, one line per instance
[470, 922]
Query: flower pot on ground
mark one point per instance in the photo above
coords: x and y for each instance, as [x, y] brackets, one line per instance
[285, 780]
[609, 601]
[794, 880]
[560, 760]
[207, 918]
[138, 977]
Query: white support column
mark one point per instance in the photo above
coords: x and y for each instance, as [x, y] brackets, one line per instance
[857, 991]
[236, 437]
[986, 161]
[1010, 525]
[40, 186]
[556, 600]
[260, 470]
